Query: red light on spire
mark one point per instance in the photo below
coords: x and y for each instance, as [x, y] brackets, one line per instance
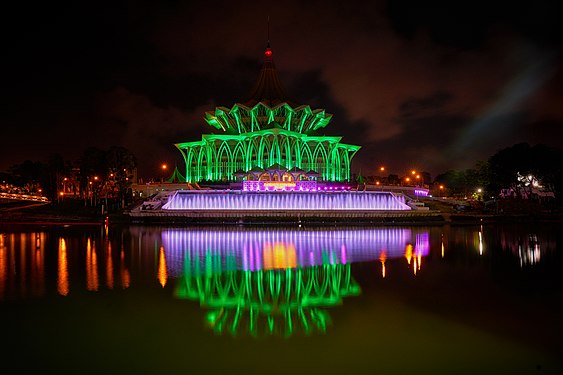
[268, 53]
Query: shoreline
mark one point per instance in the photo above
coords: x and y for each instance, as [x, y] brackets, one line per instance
[72, 214]
[440, 218]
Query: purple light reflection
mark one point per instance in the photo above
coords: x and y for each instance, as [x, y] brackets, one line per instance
[253, 250]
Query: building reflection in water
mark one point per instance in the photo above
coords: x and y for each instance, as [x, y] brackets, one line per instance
[22, 264]
[62, 275]
[278, 281]
[528, 246]
[296, 272]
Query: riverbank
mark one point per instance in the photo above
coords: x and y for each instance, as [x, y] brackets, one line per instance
[74, 214]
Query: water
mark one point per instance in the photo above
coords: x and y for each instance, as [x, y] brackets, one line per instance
[183, 200]
[446, 299]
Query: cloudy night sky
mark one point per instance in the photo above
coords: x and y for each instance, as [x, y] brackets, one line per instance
[425, 85]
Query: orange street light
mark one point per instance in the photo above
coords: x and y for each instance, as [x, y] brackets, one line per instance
[413, 172]
[96, 178]
[441, 187]
[407, 179]
[382, 169]
[164, 166]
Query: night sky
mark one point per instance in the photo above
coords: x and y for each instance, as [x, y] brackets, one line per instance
[425, 85]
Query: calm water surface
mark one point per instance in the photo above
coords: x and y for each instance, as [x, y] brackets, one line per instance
[442, 299]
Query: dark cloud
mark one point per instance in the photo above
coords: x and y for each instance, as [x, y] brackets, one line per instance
[417, 107]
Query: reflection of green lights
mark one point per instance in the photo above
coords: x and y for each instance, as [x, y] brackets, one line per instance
[267, 301]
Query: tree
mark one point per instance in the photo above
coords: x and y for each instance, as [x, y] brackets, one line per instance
[121, 164]
[542, 162]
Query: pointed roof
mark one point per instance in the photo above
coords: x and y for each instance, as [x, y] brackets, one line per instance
[256, 169]
[296, 169]
[176, 176]
[268, 88]
[276, 167]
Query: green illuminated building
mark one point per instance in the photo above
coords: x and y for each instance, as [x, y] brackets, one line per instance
[266, 130]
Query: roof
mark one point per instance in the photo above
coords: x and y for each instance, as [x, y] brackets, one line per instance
[296, 170]
[176, 176]
[256, 169]
[268, 88]
[276, 167]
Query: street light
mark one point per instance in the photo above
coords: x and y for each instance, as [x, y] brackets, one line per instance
[164, 167]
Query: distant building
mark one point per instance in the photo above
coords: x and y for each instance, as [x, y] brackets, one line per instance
[266, 130]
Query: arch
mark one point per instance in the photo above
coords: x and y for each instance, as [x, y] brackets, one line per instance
[295, 152]
[223, 162]
[287, 177]
[336, 165]
[263, 149]
[306, 156]
[239, 158]
[251, 154]
[346, 158]
[285, 148]
[275, 152]
[203, 168]
[191, 166]
[320, 161]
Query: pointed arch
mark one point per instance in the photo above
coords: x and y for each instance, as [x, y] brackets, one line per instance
[306, 157]
[285, 148]
[320, 160]
[223, 162]
[251, 154]
[239, 158]
[336, 165]
[275, 152]
[263, 154]
[346, 158]
[203, 170]
[191, 165]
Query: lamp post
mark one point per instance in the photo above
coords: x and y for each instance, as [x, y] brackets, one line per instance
[164, 167]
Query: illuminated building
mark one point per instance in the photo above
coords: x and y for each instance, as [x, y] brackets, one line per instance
[267, 130]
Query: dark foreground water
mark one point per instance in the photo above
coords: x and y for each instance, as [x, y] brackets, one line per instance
[452, 299]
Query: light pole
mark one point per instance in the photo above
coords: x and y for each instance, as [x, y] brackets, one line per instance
[164, 167]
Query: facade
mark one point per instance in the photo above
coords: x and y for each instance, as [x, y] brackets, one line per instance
[266, 130]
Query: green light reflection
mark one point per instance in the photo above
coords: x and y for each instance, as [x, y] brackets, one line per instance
[276, 302]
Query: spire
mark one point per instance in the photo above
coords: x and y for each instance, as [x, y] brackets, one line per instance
[268, 88]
